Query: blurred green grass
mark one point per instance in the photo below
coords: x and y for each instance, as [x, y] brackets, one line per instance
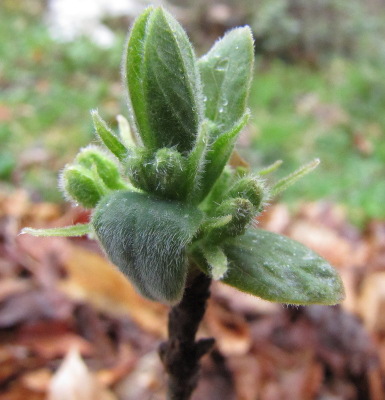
[335, 113]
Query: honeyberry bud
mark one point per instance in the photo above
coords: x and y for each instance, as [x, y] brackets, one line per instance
[79, 185]
[138, 164]
[242, 213]
[106, 168]
[167, 173]
[250, 188]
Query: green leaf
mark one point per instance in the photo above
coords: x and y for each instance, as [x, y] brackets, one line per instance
[226, 72]
[74, 230]
[278, 269]
[146, 238]
[218, 155]
[108, 137]
[163, 82]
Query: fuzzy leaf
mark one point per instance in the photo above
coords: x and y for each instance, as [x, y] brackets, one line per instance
[163, 82]
[279, 269]
[108, 137]
[218, 155]
[73, 230]
[146, 238]
[226, 72]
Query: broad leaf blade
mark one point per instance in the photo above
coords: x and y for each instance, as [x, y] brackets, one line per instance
[226, 72]
[163, 82]
[280, 269]
[146, 238]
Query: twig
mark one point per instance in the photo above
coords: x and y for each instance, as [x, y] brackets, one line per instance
[180, 355]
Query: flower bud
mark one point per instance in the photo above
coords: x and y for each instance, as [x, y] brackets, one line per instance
[80, 186]
[250, 188]
[242, 213]
[106, 168]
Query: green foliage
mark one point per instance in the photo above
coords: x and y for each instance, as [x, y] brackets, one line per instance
[277, 268]
[226, 72]
[159, 55]
[325, 116]
[172, 201]
[146, 238]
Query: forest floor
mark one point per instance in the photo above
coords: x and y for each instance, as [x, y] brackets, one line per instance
[71, 327]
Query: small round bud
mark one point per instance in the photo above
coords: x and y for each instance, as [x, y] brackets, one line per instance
[79, 185]
[138, 165]
[92, 157]
[161, 173]
[168, 170]
[242, 213]
[250, 188]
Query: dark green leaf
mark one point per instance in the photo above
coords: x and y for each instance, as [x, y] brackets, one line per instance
[226, 72]
[146, 238]
[279, 269]
[163, 82]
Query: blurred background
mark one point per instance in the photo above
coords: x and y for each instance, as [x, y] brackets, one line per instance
[318, 91]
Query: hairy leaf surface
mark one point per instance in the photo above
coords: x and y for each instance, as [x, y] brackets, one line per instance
[146, 238]
[226, 72]
[163, 82]
[279, 269]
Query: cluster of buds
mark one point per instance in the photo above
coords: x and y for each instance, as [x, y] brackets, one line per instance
[165, 201]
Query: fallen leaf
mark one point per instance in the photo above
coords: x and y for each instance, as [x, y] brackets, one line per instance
[74, 381]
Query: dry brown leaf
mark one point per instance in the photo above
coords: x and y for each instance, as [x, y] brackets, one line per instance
[371, 302]
[242, 303]
[230, 330]
[38, 380]
[247, 375]
[145, 382]
[74, 381]
[276, 218]
[54, 345]
[92, 278]
[12, 287]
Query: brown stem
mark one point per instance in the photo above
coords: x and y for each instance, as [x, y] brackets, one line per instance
[180, 355]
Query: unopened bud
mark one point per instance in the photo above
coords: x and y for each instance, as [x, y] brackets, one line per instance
[92, 157]
[79, 184]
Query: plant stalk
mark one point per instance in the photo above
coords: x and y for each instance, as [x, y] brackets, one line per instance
[181, 354]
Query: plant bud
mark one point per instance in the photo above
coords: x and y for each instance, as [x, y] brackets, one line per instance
[242, 213]
[105, 167]
[79, 184]
[168, 170]
[138, 165]
[250, 188]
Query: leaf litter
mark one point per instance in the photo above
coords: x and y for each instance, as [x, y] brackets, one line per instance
[68, 319]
